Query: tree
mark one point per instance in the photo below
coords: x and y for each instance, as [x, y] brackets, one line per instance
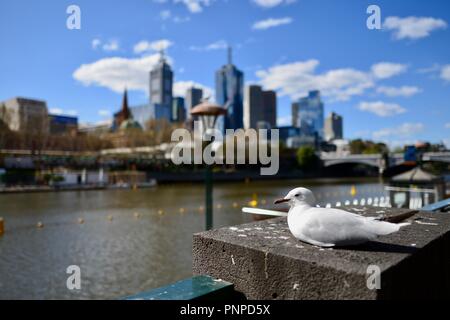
[307, 158]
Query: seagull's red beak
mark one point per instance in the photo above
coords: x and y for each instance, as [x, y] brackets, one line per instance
[280, 201]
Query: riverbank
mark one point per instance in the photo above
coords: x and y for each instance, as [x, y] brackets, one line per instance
[65, 188]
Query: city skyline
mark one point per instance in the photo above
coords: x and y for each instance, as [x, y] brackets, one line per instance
[383, 82]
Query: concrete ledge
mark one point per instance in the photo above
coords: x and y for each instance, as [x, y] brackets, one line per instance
[264, 261]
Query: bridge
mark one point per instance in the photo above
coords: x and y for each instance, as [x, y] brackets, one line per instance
[377, 160]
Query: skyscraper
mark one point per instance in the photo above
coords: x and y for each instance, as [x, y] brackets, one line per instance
[193, 97]
[178, 110]
[333, 127]
[229, 93]
[161, 81]
[259, 106]
[307, 114]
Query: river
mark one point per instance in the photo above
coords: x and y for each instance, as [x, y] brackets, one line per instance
[129, 241]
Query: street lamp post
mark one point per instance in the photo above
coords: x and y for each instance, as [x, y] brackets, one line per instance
[208, 114]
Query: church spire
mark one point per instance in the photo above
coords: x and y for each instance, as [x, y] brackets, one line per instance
[125, 110]
[230, 55]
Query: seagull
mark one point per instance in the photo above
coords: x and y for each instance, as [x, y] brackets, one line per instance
[328, 227]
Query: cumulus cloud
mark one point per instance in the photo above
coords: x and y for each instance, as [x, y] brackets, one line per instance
[403, 91]
[445, 72]
[217, 45]
[272, 3]
[296, 79]
[381, 109]
[271, 23]
[405, 130]
[146, 46]
[413, 27]
[117, 73]
[59, 112]
[385, 70]
[180, 88]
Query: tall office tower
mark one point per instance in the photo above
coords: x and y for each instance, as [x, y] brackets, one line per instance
[270, 107]
[194, 97]
[259, 106]
[161, 81]
[178, 110]
[229, 93]
[307, 114]
[333, 127]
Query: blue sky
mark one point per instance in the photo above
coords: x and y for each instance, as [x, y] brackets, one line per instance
[391, 84]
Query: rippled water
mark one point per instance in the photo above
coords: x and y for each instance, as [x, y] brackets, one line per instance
[126, 255]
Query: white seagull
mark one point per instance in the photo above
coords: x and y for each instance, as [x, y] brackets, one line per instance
[327, 227]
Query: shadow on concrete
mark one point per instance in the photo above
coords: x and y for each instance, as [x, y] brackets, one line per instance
[375, 246]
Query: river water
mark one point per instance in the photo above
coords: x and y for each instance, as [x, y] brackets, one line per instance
[130, 240]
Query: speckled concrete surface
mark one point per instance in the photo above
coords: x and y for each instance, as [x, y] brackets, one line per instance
[265, 261]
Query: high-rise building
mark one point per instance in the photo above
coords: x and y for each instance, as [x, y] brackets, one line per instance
[25, 115]
[259, 106]
[178, 110]
[193, 97]
[229, 93]
[161, 81]
[307, 114]
[333, 127]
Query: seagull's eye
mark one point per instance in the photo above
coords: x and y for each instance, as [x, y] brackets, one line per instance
[297, 195]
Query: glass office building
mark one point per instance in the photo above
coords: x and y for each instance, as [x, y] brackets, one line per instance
[308, 115]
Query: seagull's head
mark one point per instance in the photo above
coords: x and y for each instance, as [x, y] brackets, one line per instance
[298, 196]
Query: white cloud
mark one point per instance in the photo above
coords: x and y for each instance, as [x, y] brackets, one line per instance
[284, 121]
[112, 45]
[403, 131]
[180, 88]
[59, 111]
[165, 14]
[146, 46]
[104, 113]
[195, 6]
[218, 45]
[296, 79]
[117, 73]
[109, 46]
[385, 70]
[271, 23]
[381, 109]
[413, 27]
[96, 43]
[272, 3]
[404, 91]
[445, 72]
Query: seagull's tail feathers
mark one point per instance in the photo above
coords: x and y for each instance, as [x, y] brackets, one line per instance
[382, 228]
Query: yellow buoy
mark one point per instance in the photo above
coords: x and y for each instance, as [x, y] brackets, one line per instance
[2, 226]
[39, 225]
[353, 191]
[80, 220]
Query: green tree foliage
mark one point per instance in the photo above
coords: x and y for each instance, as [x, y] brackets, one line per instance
[360, 146]
[307, 158]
